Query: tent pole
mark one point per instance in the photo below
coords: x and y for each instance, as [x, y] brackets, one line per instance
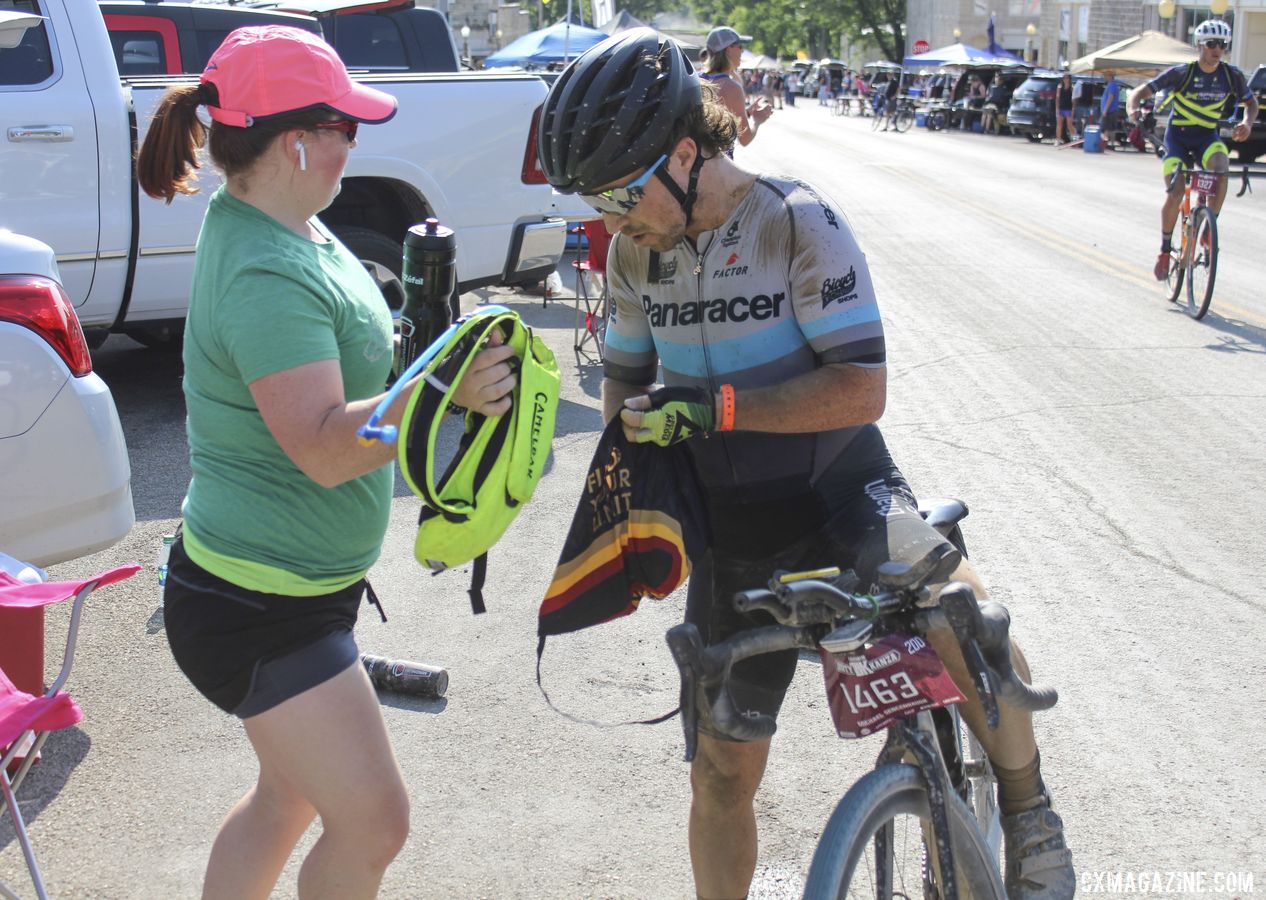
[567, 37]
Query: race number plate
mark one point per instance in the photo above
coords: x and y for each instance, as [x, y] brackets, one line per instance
[1204, 182]
[871, 688]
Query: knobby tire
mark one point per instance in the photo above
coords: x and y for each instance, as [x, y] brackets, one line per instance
[871, 804]
[1204, 261]
[905, 118]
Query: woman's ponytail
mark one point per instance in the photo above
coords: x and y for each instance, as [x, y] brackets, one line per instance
[169, 157]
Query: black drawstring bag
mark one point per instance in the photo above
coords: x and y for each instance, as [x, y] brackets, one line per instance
[639, 522]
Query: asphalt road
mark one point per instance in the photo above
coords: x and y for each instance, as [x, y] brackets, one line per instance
[1110, 449]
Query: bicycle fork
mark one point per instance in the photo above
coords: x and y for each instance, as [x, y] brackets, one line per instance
[918, 739]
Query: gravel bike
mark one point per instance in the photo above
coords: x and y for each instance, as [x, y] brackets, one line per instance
[1195, 260]
[930, 800]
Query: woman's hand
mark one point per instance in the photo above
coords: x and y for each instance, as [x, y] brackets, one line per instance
[486, 387]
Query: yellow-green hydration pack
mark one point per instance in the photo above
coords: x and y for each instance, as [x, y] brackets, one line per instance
[499, 460]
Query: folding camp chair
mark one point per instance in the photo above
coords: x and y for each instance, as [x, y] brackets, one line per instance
[591, 312]
[26, 720]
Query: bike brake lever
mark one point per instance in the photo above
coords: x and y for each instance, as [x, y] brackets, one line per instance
[958, 602]
[686, 646]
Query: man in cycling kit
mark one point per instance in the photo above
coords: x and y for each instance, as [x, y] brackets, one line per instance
[752, 293]
[1201, 94]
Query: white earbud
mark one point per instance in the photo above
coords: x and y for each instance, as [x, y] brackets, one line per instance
[303, 160]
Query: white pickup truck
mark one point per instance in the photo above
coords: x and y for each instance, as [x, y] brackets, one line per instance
[461, 148]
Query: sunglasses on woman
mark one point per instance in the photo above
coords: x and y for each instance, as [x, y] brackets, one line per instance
[347, 126]
[1216, 45]
[618, 201]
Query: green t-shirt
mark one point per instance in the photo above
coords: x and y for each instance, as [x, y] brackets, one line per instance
[265, 300]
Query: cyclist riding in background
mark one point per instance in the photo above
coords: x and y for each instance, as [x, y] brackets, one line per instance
[1202, 93]
[753, 294]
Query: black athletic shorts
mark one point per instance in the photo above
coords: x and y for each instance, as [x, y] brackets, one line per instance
[247, 651]
[857, 525]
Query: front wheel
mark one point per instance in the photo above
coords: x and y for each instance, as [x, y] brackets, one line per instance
[876, 119]
[876, 844]
[905, 118]
[1204, 261]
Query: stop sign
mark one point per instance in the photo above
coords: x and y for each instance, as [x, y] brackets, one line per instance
[921, 47]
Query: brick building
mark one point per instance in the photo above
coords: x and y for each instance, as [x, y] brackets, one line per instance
[1052, 33]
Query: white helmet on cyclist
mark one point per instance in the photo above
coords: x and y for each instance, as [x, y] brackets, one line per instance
[1212, 30]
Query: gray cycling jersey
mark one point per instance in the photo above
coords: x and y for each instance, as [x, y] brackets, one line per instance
[780, 289]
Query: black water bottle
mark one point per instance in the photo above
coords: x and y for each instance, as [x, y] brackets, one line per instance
[430, 274]
[405, 677]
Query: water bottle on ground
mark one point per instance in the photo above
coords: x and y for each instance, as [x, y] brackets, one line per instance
[430, 275]
[405, 677]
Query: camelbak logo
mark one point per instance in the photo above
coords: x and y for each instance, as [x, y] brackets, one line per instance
[539, 402]
[839, 290]
[736, 309]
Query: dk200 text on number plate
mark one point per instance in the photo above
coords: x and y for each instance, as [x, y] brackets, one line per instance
[895, 677]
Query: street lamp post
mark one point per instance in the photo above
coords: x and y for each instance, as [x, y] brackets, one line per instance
[466, 42]
[1030, 55]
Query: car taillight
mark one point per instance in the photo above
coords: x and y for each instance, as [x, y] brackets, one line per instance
[533, 173]
[1046, 95]
[41, 305]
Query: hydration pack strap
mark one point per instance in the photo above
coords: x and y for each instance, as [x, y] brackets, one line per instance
[478, 575]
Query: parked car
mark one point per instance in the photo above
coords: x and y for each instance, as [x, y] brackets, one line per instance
[462, 149]
[1032, 110]
[67, 486]
[176, 38]
[156, 37]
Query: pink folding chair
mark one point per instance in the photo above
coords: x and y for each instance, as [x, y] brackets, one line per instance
[26, 720]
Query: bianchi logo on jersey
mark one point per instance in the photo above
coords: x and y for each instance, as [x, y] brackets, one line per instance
[696, 312]
[732, 236]
[839, 290]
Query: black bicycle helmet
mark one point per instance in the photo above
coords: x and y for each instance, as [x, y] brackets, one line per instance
[612, 111]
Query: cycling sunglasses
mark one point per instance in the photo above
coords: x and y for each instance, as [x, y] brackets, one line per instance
[347, 126]
[1216, 44]
[618, 201]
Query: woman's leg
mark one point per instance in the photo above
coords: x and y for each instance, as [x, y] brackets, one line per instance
[323, 752]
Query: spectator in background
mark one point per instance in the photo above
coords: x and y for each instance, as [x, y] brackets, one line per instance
[1110, 108]
[1083, 107]
[791, 86]
[1064, 110]
[720, 58]
[995, 104]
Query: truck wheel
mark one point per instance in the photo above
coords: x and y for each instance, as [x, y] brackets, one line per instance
[382, 258]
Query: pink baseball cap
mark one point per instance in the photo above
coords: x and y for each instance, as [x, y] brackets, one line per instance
[268, 70]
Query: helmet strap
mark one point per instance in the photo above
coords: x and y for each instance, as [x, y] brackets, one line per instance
[687, 197]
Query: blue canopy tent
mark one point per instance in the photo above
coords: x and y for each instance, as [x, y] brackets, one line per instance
[962, 55]
[560, 42]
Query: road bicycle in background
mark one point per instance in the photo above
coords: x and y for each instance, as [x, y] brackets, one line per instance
[924, 822]
[898, 113]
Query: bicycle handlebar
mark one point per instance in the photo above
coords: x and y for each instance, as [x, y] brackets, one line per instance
[805, 609]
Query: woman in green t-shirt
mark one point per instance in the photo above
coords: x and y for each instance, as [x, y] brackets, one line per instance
[287, 348]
